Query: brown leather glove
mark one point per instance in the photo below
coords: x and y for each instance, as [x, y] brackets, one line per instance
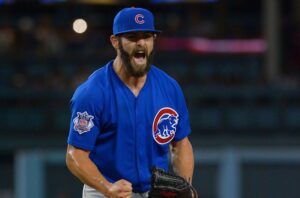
[165, 184]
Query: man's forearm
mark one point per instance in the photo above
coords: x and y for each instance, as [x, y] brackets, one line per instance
[182, 159]
[83, 168]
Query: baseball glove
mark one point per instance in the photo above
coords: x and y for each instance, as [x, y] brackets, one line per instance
[165, 184]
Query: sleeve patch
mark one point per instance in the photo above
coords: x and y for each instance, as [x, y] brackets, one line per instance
[83, 122]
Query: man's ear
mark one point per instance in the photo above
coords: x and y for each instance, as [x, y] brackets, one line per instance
[114, 41]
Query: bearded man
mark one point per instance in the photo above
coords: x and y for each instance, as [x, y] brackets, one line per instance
[127, 115]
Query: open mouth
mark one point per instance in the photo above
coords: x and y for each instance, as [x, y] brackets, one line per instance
[140, 54]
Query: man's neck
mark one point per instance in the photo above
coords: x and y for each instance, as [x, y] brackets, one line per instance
[135, 84]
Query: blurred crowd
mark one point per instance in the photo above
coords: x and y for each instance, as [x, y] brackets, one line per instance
[38, 55]
[43, 60]
[39, 49]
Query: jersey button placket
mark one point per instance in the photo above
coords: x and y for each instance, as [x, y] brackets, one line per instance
[136, 148]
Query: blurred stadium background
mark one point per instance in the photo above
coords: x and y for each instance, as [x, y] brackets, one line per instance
[238, 63]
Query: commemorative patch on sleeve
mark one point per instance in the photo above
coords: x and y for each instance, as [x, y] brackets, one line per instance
[83, 122]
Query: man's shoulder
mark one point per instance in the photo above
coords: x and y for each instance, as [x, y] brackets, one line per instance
[99, 77]
[162, 76]
[95, 83]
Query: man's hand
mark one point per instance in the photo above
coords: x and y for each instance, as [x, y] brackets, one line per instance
[121, 188]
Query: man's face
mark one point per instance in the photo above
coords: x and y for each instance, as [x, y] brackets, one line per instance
[136, 50]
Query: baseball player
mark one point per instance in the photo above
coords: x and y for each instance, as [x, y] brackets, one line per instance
[127, 116]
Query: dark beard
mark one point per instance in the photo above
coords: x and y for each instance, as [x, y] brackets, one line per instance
[125, 56]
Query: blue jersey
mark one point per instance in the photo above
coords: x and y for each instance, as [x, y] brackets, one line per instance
[128, 134]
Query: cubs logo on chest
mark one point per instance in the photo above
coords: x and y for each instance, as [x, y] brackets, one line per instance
[164, 125]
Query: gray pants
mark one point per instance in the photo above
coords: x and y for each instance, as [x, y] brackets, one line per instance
[89, 192]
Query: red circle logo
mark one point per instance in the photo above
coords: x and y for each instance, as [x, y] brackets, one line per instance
[164, 125]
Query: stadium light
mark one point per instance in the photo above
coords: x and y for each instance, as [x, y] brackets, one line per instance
[80, 26]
